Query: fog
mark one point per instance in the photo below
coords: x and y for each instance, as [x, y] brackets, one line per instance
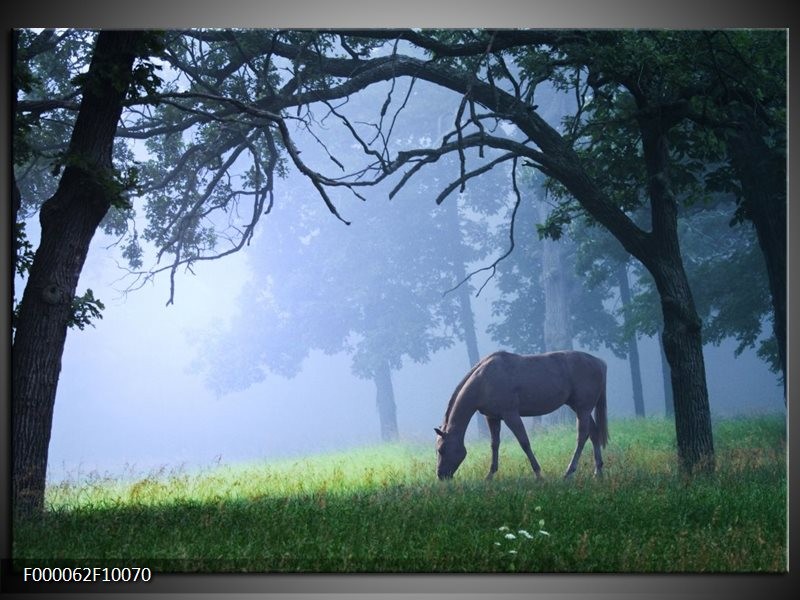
[132, 399]
[129, 403]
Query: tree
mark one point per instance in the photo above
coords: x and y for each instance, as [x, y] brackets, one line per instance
[726, 269]
[746, 108]
[87, 189]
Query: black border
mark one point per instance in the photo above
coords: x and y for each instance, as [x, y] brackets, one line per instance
[413, 13]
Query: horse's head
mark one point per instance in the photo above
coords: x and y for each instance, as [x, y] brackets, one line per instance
[450, 452]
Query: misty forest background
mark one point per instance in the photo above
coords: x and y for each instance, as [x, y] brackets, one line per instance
[311, 335]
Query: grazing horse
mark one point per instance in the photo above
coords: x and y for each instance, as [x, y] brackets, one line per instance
[505, 386]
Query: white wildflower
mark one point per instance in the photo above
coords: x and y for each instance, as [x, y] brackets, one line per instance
[497, 543]
[524, 533]
[538, 508]
[543, 532]
[541, 523]
[510, 536]
[512, 551]
[503, 528]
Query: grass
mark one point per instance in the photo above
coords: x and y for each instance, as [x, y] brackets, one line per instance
[381, 509]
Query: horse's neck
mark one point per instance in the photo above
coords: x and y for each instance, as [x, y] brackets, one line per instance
[459, 419]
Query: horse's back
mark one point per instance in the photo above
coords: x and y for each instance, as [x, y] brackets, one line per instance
[538, 384]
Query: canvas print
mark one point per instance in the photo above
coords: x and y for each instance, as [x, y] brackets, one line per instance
[399, 301]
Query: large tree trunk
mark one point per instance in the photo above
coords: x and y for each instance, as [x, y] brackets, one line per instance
[69, 220]
[683, 347]
[762, 173]
[633, 349]
[683, 344]
[384, 398]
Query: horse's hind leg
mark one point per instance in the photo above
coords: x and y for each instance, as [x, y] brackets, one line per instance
[516, 425]
[494, 431]
[598, 457]
[584, 430]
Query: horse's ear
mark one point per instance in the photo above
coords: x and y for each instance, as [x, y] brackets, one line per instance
[438, 431]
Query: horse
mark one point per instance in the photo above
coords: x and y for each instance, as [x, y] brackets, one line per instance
[505, 386]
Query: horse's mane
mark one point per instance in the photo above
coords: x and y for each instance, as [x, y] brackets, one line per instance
[457, 390]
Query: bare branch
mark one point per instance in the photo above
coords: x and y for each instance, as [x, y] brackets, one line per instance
[461, 181]
[507, 253]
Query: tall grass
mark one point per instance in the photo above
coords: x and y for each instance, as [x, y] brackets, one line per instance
[381, 509]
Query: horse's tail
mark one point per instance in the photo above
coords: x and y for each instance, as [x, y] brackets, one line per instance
[600, 414]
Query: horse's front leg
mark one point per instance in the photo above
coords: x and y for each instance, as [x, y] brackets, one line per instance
[494, 431]
[515, 424]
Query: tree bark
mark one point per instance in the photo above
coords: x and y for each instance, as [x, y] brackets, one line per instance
[387, 409]
[683, 344]
[633, 349]
[69, 220]
[669, 402]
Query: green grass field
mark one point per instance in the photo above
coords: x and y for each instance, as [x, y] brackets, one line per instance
[381, 509]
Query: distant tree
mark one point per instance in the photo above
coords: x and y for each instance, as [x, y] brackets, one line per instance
[373, 290]
[521, 312]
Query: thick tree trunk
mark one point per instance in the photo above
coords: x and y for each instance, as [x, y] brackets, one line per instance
[633, 348]
[69, 220]
[762, 173]
[683, 347]
[683, 344]
[387, 409]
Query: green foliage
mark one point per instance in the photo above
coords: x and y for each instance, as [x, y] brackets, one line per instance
[117, 185]
[85, 308]
[380, 509]
[24, 256]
